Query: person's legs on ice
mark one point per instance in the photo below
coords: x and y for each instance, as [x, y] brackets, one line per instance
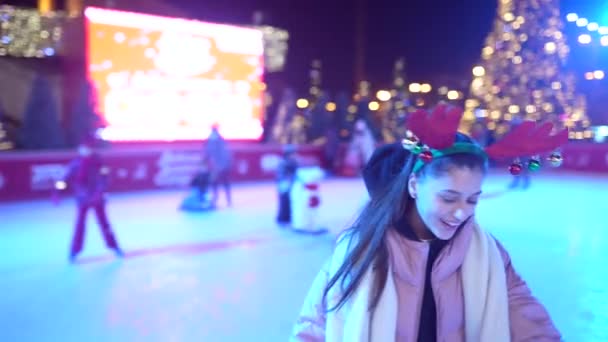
[106, 230]
[284, 214]
[79, 232]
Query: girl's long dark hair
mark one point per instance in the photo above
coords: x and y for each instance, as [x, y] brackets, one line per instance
[386, 206]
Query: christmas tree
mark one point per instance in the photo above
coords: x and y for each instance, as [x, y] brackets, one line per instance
[83, 120]
[295, 123]
[41, 128]
[297, 131]
[342, 119]
[316, 78]
[5, 143]
[316, 113]
[521, 75]
[286, 111]
[393, 123]
[320, 120]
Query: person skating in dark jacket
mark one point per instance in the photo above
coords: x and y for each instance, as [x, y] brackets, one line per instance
[220, 162]
[88, 178]
[286, 174]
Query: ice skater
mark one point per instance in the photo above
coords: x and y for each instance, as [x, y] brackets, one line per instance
[88, 177]
[199, 198]
[219, 157]
[286, 175]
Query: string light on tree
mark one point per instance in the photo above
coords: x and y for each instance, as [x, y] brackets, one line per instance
[383, 95]
[415, 87]
[453, 95]
[479, 71]
[302, 103]
[425, 88]
[520, 77]
[374, 106]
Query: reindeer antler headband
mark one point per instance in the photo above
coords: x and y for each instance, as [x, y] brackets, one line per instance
[432, 135]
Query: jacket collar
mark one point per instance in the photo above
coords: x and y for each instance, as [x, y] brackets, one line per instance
[409, 255]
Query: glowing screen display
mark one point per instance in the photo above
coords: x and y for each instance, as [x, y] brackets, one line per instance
[168, 79]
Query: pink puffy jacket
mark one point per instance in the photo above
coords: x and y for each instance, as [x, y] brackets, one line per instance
[528, 318]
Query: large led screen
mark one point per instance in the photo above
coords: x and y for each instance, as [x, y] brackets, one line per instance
[169, 79]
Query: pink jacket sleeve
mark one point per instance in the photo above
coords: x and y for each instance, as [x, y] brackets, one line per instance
[529, 320]
[310, 326]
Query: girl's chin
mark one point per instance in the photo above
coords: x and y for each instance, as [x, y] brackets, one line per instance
[445, 233]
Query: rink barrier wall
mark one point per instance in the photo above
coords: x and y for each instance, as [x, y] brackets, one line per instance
[31, 175]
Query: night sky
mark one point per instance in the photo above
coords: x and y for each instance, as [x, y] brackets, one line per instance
[440, 39]
[437, 37]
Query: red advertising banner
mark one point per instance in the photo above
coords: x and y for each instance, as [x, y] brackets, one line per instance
[28, 175]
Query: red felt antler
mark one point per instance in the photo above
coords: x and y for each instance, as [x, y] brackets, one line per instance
[526, 140]
[436, 129]
[417, 123]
